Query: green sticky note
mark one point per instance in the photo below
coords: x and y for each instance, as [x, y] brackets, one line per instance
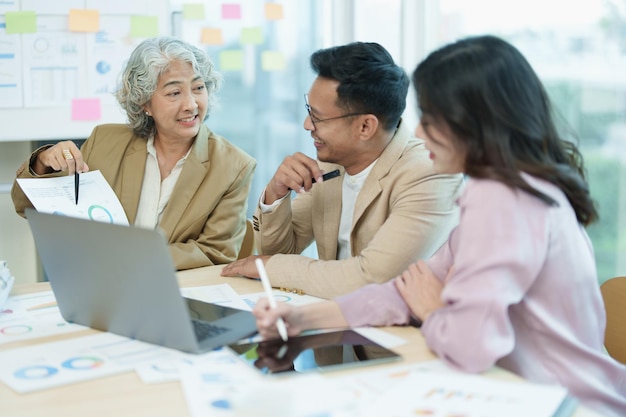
[252, 35]
[231, 60]
[273, 61]
[21, 22]
[193, 11]
[144, 26]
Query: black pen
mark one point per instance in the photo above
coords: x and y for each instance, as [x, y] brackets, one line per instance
[76, 182]
[328, 175]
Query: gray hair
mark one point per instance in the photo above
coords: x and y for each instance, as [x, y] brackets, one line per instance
[150, 59]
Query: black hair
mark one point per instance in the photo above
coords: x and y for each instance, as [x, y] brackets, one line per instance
[488, 94]
[369, 80]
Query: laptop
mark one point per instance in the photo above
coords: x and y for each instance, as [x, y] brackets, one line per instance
[121, 279]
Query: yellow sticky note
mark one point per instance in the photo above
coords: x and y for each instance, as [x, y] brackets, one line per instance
[193, 11]
[20, 22]
[231, 60]
[252, 35]
[211, 36]
[84, 20]
[144, 26]
[273, 61]
[273, 11]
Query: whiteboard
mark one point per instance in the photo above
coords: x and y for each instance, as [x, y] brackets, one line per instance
[57, 82]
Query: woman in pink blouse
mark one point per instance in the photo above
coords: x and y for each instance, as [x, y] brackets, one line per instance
[515, 285]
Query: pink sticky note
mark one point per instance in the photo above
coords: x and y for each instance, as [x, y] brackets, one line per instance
[231, 11]
[86, 109]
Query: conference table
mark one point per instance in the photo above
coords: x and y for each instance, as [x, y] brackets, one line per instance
[126, 395]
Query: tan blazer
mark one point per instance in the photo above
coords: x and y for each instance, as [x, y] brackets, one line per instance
[403, 213]
[205, 219]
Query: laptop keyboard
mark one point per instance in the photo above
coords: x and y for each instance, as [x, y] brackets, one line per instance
[204, 329]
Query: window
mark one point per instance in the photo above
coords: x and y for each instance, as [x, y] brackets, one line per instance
[579, 51]
[262, 111]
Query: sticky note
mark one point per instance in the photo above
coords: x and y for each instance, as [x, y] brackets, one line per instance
[273, 61]
[252, 36]
[144, 26]
[231, 11]
[84, 20]
[211, 36]
[86, 109]
[193, 11]
[273, 11]
[20, 22]
[231, 60]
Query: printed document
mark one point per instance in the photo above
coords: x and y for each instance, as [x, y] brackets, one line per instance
[96, 201]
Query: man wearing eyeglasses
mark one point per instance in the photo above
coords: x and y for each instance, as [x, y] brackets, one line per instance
[387, 208]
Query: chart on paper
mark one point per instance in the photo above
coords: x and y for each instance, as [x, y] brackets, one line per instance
[55, 195]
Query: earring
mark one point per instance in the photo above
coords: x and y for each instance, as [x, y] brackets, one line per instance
[147, 114]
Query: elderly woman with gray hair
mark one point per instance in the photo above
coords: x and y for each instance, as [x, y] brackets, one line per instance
[169, 170]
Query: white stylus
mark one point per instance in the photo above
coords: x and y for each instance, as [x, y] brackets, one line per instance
[280, 324]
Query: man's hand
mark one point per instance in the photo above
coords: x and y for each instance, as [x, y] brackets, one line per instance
[244, 267]
[297, 172]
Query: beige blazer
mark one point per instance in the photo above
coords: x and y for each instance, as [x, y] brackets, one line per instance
[205, 219]
[403, 213]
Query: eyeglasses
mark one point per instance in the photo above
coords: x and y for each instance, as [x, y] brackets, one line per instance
[315, 119]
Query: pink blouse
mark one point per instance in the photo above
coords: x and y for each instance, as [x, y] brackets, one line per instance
[524, 296]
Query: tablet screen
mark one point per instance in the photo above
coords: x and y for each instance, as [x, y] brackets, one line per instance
[314, 352]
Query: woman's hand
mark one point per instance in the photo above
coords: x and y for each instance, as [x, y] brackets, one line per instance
[266, 318]
[63, 156]
[420, 289]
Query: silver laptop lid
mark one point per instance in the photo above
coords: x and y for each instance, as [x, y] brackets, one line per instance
[121, 279]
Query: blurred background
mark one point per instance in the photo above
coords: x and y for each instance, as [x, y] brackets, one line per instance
[577, 48]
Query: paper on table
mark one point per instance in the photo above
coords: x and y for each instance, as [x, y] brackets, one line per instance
[281, 296]
[450, 394]
[30, 316]
[234, 389]
[222, 294]
[53, 364]
[97, 200]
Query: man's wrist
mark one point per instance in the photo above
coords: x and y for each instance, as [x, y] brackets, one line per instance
[266, 208]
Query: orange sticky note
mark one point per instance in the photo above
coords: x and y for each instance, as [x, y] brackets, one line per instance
[84, 20]
[211, 36]
[86, 109]
[273, 11]
[231, 11]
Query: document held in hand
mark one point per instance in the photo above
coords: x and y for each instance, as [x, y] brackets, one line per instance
[56, 195]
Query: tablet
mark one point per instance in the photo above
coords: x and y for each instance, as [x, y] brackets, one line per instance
[314, 352]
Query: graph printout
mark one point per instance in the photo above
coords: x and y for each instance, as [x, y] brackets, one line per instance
[31, 316]
[97, 200]
[53, 364]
